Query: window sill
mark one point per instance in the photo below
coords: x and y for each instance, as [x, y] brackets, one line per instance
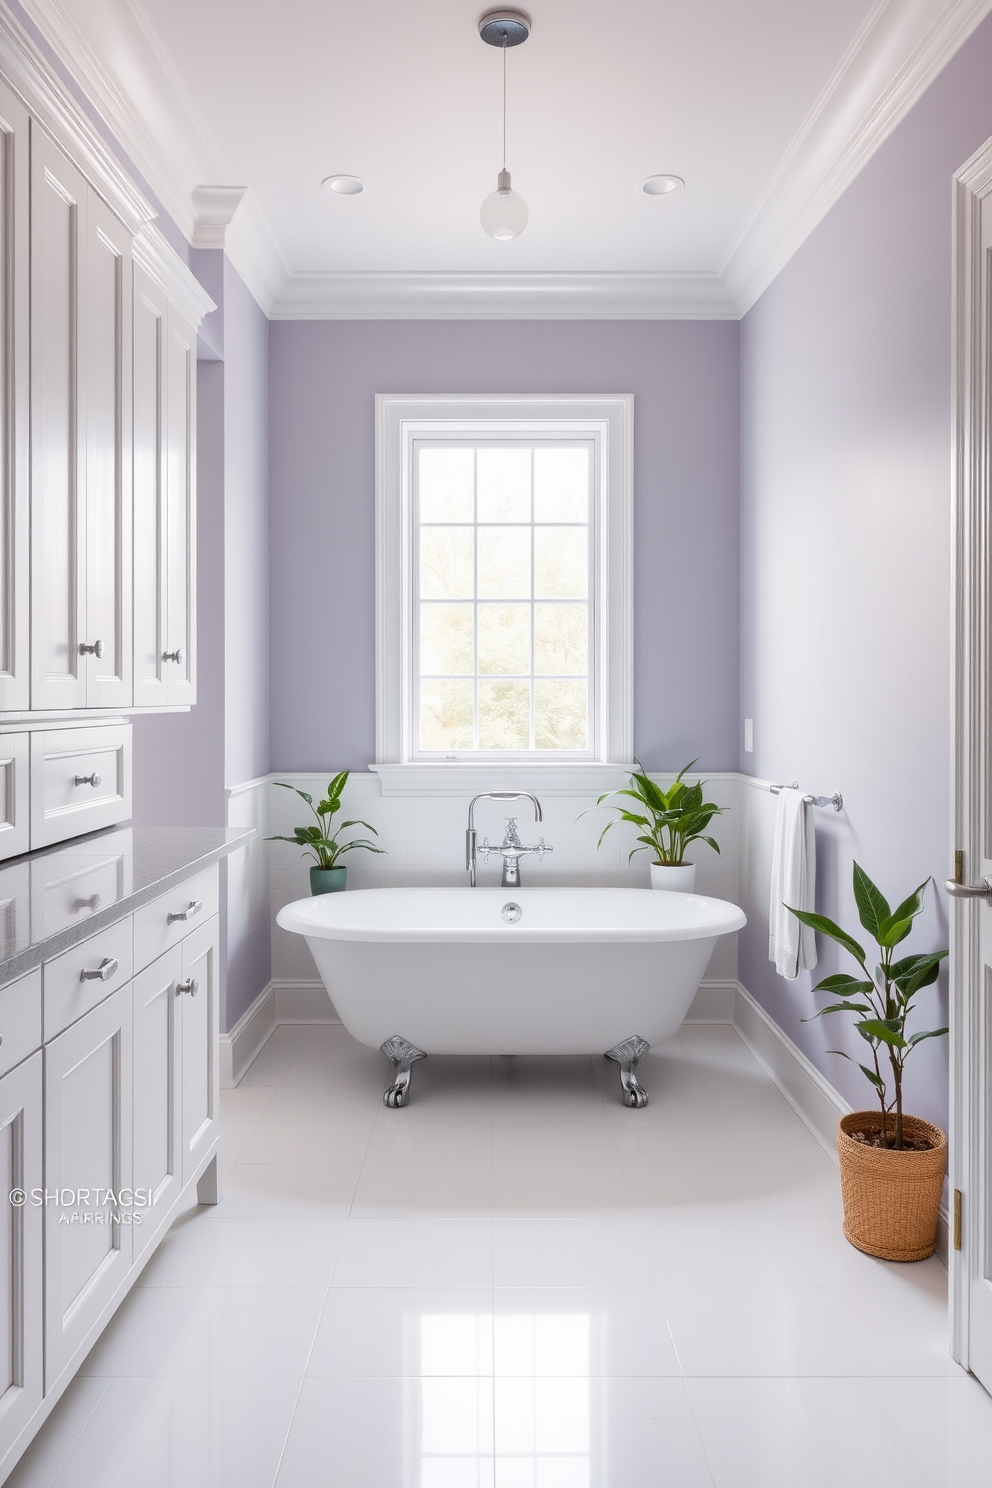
[470, 777]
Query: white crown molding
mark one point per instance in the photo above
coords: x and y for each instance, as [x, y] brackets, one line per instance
[162, 264]
[250, 243]
[424, 295]
[898, 52]
[213, 209]
[30, 75]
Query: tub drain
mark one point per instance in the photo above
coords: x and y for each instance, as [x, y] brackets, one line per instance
[511, 912]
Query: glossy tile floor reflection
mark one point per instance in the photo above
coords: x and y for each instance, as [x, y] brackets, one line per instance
[517, 1283]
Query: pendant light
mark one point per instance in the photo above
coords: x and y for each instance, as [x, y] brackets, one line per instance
[504, 212]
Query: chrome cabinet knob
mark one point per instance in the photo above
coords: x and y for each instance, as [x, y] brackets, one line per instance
[193, 908]
[176, 656]
[95, 779]
[981, 890]
[190, 985]
[108, 967]
[98, 649]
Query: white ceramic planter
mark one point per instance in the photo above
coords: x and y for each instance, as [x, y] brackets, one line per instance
[681, 878]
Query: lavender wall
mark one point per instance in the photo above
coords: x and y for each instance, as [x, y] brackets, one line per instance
[845, 529]
[323, 380]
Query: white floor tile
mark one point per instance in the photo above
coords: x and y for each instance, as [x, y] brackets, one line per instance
[801, 1433]
[583, 1331]
[948, 1425]
[808, 1331]
[555, 1190]
[418, 1135]
[569, 1253]
[259, 1253]
[834, 1262]
[425, 1191]
[107, 1355]
[226, 1331]
[271, 1190]
[381, 1433]
[183, 1433]
[722, 1246]
[408, 1331]
[573, 1431]
[323, 1144]
[415, 1253]
[42, 1461]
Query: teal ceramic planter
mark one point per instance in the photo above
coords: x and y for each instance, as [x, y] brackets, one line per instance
[328, 880]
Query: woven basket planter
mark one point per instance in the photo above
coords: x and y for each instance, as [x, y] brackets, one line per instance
[891, 1199]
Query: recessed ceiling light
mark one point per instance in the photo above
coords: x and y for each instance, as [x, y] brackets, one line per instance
[343, 185]
[661, 185]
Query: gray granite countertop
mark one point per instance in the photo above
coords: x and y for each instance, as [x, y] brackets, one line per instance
[54, 898]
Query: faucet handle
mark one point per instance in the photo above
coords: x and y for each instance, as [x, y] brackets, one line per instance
[542, 848]
[483, 850]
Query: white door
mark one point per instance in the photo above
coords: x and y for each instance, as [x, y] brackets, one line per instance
[14, 368]
[157, 1093]
[58, 474]
[20, 1250]
[150, 332]
[201, 1043]
[105, 368]
[180, 648]
[88, 1124]
[970, 1266]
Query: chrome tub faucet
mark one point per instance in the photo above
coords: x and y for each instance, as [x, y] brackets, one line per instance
[511, 848]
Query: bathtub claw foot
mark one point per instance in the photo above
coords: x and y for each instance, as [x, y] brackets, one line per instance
[627, 1055]
[402, 1055]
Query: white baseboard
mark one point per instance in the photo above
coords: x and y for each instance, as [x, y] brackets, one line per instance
[714, 1002]
[282, 1001]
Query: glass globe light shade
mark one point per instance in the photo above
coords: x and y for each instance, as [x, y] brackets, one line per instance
[504, 212]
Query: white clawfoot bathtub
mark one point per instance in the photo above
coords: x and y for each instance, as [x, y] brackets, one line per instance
[511, 971]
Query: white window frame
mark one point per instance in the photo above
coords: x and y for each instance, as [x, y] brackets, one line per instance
[401, 420]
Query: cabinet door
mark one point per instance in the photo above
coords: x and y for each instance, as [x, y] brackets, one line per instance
[200, 1043]
[20, 1250]
[58, 476]
[88, 1112]
[14, 403]
[105, 370]
[157, 1093]
[150, 338]
[181, 525]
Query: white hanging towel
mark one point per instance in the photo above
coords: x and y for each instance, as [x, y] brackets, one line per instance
[792, 946]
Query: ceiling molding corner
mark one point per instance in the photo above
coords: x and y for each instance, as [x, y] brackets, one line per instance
[897, 55]
[213, 209]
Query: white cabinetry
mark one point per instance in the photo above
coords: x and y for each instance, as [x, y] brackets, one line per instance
[164, 505]
[14, 366]
[87, 1147]
[80, 440]
[20, 1245]
[200, 1045]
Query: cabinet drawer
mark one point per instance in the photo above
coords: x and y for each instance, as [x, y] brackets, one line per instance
[155, 933]
[72, 985]
[20, 1019]
[80, 781]
[68, 890]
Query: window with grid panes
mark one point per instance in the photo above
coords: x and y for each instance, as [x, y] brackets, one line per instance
[504, 554]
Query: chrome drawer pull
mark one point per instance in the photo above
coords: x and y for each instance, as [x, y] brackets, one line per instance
[108, 967]
[176, 656]
[98, 649]
[193, 908]
[190, 985]
[95, 779]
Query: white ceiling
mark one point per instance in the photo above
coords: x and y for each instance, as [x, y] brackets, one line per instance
[767, 108]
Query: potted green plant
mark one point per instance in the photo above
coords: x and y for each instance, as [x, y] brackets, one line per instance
[327, 876]
[669, 821]
[891, 1165]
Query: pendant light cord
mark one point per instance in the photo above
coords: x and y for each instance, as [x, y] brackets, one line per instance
[504, 100]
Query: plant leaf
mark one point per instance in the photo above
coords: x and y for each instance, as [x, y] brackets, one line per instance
[827, 927]
[923, 974]
[842, 981]
[877, 1028]
[873, 907]
[918, 1038]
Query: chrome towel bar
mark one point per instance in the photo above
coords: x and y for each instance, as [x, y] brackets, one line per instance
[836, 800]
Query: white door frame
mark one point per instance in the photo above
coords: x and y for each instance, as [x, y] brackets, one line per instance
[970, 698]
